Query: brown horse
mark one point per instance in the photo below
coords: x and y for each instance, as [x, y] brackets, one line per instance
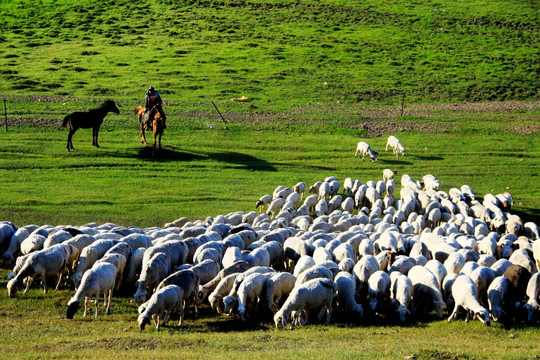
[88, 119]
[158, 125]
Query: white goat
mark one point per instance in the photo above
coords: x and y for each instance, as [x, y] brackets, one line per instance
[365, 149]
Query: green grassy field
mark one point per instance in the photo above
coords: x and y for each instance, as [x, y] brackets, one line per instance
[319, 77]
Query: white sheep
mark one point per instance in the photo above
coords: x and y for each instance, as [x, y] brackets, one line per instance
[237, 267]
[316, 293]
[389, 174]
[264, 200]
[346, 291]
[395, 144]
[134, 266]
[152, 273]
[230, 300]
[44, 263]
[119, 261]
[160, 305]
[258, 257]
[497, 295]
[34, 242]
[464, 293]
[15, 245]
[96, 281]
[401, 294]
[425, 286]
[206, 270]
[176, 251]
[188, 281]
[89, 255]
[533, 293]
[378, 289]
[482, 277]
[365, 149]
[222, 289]
[314, 272]
[250, 293]
[279, 285]
[362, 270]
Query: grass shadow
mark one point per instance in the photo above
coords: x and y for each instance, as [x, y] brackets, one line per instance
[243, 161]
[395, 162]
[429, 158]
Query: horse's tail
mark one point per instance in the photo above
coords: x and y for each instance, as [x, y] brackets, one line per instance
[66, 120]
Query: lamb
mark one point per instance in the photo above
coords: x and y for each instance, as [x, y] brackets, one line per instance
[395, 144]
[425, 284]
[379, 290]
[152, 273]
[464, 292]
[533, 292]
[346, 290]
[310, 295]
[89, 255]
[401, 294]
[161, 305]
[188, 281]
[44, 263]
[365, 149]
[249, 292]
[497, 296]
[96, 281]
[279, 285]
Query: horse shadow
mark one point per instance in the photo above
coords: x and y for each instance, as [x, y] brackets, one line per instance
[234, 159]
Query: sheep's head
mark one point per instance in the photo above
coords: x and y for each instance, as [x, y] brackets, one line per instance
[72, 309]
[140, 297]
[483, 316]
[496, 313]
[403, 313]
[280, 321]
[228, 302]
[12, 288]
[143, 321]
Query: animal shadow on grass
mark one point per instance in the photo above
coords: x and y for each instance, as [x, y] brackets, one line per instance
[243, 161]
[395, 162]
[429, 158]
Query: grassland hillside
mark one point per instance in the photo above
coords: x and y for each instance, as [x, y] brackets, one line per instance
[277, 53]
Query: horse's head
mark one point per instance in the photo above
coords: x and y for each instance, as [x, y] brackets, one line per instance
[111, 106]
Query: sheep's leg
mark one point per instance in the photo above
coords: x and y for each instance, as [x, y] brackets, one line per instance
[29, 281]
[85, 305]
[467, 316]
[324, 309]
[96, 306]
[356, 152]
[59, 281]
[156, 321]
[165, 318]
[453, 316]
[109, 302]
[181, 314]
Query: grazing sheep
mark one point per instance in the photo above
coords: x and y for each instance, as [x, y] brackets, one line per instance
[482, 277]
[346, 290]
[176, 251]
[258, 257]
[437, 269]
[188, 281]
[362, 271]
[264, 200]
[250, 293]
[464, 292]
[153, 272]
[19, 262]
[278, 285]
[222, 289]
[14, 247]
[96, 281]
[293, 249]
[425, 286]
[134, 266]
[230, 300]
[401, 294]
[533, 292]
[207, 270]
[379, 290]
[34, 242]
[518, 278]
[237, 267]
[497, 297]
[395, 144]
[89, 255]
[44, 263]
[389, 174]
[365, 149]
[160, 305]
[316, 293]
[119, 261]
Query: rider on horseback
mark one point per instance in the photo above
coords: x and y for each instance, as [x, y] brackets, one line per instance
[151, 105]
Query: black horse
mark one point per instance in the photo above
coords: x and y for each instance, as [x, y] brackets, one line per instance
[88, 119]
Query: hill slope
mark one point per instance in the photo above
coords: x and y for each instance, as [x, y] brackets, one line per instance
[275, 52]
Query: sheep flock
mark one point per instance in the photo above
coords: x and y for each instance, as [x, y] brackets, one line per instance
[359, 249]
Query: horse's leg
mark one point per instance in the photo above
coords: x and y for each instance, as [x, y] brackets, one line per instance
[95, 132]
[155, 136]
[142, 133]
[69, 142]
